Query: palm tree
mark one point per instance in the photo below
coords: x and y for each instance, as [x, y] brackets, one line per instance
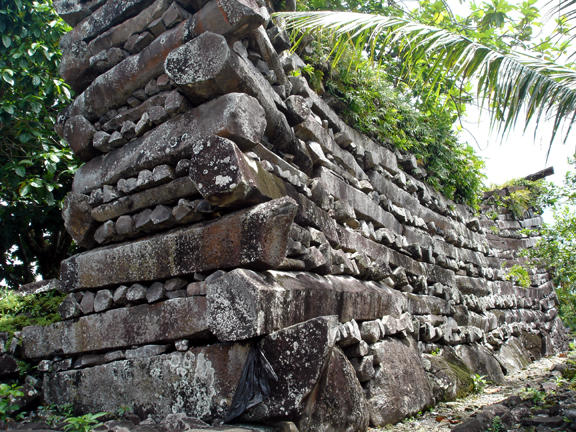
[514, 84]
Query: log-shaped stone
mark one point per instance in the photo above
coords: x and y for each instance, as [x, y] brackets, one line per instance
[244, 304]
[119, 328]
[225, 177]
[236, 116]
[254, 237]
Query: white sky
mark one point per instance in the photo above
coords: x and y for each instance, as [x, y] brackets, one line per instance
[519, 153]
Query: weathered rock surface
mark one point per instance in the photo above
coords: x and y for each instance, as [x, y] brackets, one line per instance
[329, 405]
[297, 365]
[244, 304]
[199, 382]
[255, 237]
[76, 212]
[234, 116]
[119, 328]
[400, 387]
[225, 177]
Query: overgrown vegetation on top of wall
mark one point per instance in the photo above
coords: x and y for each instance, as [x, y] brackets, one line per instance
[396, 116]
[520, 195]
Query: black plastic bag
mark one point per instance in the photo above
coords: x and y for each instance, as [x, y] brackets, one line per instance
[254, 385]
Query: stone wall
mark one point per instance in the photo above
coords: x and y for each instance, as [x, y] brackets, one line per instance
[247, 254]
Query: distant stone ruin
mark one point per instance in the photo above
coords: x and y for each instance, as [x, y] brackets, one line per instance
[250, 257]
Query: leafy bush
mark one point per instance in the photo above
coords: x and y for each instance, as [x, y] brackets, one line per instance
[556, 248]
[522, 196]
[519, 275]
[83, 423]
[36, 167]
[18, 311]
[479, 383]
[8, 394]
[368, 100]
[496, 425]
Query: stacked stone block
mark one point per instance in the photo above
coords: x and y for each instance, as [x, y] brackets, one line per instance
[232, 221]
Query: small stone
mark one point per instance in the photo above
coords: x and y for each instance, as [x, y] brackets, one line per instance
[109, 193]
[143, 124]
[62, 365]
[174, 103]
[196, 289]
[120, 295]
[175, 284]
[399, 276]
[155, 292]
[370, 331]
[103, 300]
[176, 294]
[113, 356]
[132, 102]
[70, 308]
[124, 225]
[115, 140]
[136, 293]
[358, 350]
[146, 351]
[162, 174]
[127, 186]
[157, 114]
[364, 368]
[142, 220]
[184, 212]
[161, 215]
[96, 197]
[105, 232]
[44, 366]
[182, 167]
[151, 88]
[137, 42]
[100, 141]
[128, 130]
[348, 334]
[140, 94]
[87, 303]
[144, 179]
[163, 82]
[157, 27]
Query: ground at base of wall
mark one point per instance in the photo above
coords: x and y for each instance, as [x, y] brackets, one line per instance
[539, 398]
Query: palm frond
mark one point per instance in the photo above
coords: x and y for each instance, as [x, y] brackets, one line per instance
[513, 84]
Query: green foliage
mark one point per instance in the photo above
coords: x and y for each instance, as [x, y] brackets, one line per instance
[36, 168]
[62, 417]
[8, 395]
[521, 195]
[18, 311]
[436, 351]
[479, 383]
[496, 425]
[519, 275]
[556, 248]
[442, 54]
[394, 115]
[538, 397]
[83, 423]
